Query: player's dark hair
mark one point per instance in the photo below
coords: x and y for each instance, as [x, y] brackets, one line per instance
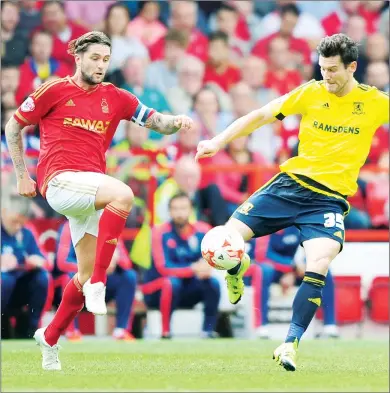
[177, 36]
[179, 195]
[289, 9]
[219, 36]
[81, 44]
[50, 2]
[339, 44]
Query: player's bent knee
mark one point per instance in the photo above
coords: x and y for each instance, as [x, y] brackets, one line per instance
[124, 198]
[320, 252]
[242, 228]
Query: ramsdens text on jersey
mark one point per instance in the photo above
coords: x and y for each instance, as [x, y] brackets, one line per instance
[334, 129]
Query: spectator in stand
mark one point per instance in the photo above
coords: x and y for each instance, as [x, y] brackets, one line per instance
[307, 27]
[384, 23]
[10, 36]
[30, 17]
[227, 21]
[162, 74]
[333, 22]
[377, 48]
[300, 53]
[234, 186]
[55, 22]
[281, 266]
[248, 22]
[9, 84]
[89, 14]
[190, 73]
[122, 46]
[40, 66]
[146, 26]
[179, 276]
[24, 269]
[319, 9]
[355, 28]
[208, 204]
[207, 110]
[134, 72]
[280, 76]
[253, 70]
[371, 11]
[184, 15]
[219, 69]
[244, 101]
[121, 283]
[378, 75]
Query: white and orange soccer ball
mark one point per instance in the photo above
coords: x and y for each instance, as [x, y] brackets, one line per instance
[222, 247]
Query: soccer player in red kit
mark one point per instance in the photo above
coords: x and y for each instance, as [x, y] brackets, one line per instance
[77, 118]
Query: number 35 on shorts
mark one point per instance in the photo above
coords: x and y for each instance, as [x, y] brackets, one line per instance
[334, 220]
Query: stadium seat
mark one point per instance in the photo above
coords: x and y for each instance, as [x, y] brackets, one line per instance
[349, 303]
[378, 300]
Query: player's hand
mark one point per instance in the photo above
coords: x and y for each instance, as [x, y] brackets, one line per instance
[27, 187]
[183, 122]
[207, 148]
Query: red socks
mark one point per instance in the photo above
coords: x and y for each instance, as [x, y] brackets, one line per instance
[72, 302]
[111, 226]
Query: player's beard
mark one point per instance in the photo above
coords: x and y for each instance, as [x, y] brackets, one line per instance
[89, 79]
[180, 223]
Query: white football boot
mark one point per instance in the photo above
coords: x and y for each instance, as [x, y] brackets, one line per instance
[95, 297]
[50, 360]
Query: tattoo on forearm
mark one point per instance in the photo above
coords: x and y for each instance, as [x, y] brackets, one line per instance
[13, 134]
[164, 124]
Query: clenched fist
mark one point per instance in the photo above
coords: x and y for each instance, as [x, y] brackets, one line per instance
[182, 122]
[207, 148]
[27, 187]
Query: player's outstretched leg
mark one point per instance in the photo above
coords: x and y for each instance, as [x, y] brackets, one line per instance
[319, 254]
[234, 277]
[116, 198]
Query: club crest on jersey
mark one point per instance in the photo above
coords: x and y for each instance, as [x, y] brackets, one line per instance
[28, 105]
[358, 108]
[104, 106]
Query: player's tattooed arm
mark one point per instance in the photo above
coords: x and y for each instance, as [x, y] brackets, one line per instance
[168, 124]
[13, 134]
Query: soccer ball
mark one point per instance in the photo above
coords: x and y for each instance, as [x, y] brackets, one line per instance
[222, 247]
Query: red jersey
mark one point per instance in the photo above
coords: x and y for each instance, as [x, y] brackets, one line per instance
[225, 80]
[198, 46]
[77, 126]
[299, 45]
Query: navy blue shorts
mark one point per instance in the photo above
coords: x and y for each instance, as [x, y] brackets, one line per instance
[288, 200]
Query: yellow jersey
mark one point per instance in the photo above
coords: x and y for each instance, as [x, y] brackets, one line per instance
[335, 133]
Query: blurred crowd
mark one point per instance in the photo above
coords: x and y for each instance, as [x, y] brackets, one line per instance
[212, 60]
[215, 61]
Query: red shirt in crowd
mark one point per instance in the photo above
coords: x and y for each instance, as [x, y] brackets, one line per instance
[29, 79]
[226, 79]
[298, 45]
[77, 126]
[282, 82]
[60, 48]
[197, 46]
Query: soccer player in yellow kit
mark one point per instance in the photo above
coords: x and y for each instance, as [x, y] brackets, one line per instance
[339, 119]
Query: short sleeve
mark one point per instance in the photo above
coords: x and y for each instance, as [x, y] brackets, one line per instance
[292, 103]
[133, 109]
[382, 107]
[37, 104]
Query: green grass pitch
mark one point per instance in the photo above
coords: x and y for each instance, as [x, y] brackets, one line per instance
[197, 365]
